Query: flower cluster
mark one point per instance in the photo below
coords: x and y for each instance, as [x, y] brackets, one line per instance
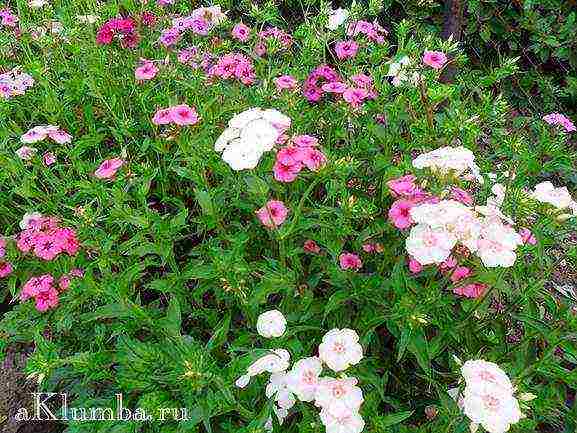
[560, 198]
[561, 120]
[7, 18]
[45, 238]
[301, 152]
[339, 400]
[234, 65]
[45, 291]
[181, 115]
[488, 398]
[449, 160]
[249, 135]
[434, 59]
[122, 28]
[373, 31]
[272, 34]
[14, 82]
[200, 22]
[324, 80]
[41, 132]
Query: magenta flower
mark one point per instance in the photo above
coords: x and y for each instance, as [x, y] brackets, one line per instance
[162, 117]
[462, 196]
[183, 115]
[561, 120]
[108, 168]
[346, 49]
[272, 214]
[5, 269]
[286, 172]
[400, 215]
[355, 96]
[305, 140]
[350, 261]
[146, 71]
[241, 32]
[414, 266]
[285, 82]
[435, 59]
[527, 236]
[48, 158]
[473, 290]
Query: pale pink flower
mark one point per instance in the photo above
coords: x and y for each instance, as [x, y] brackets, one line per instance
[435, 59]
[355, 96]
[241, 32]
[339, 397]
[285, 82]
[368, 248]
[428, 245]
[305, 140]
[312, 158]
[350, 261]
[404, 186]
[26, 153]
[64, 283]
[340, 349]
[472, 290]
[303, 378]
[60, 136]
[278, 387]
[334, 87]
[49, 158]
[311, 247]
[346, 49]
[497, 244]
[146, 71]
[184, 115]
[527, 236]
[108, 168]
[34, 135]
[560, 119]
[477, 372]
[400, 213]
[271, 324]
[272, 214]
[492, 408]
[162, 117]
[343, 423]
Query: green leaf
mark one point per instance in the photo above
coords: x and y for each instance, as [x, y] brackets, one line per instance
[393, 419]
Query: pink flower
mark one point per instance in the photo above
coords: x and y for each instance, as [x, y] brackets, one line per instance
[64, 283]
[313, 158]
[286, 173]
[473, 290]
[527, 236]
[350, 261]
[305, 140]
[435, 59]
[289, 155]
[285, 82]
[46, 299]
[448, 264]
[334, 87]
[169, 37]
[162, 117]
[355, 96]
[362, 80]
[241, 32]
[460, 273]
[399, 214]
[48, 158]
[346, 49]
[47, 246]
[272, 214]
[148, 19]
[184, 115]
[560, 119]
[147, 71]
[403, 186]
[108, 168]
[311, 247]
[368, 248]
[5, 269]
[414, 266]
[60, 136]
[462, 196]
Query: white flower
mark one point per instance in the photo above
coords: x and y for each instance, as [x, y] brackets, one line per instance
[428, 245]
[497, 244]
[545, 192]
[249, 135]
[350, 423]
[35, 4]
[337, 18]
[339, 396]
[271, 324]
[280, 413]
[276, 361]
[26, 153]
[477, 372]
[445, 160]
[278, 387]
[491, 407]
[304, 377]
[242, 381]
[29, 218]
[86, 19]
[340, 349]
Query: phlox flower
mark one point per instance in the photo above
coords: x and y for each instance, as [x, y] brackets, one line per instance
[312, 158]
[404, 186]
[477, 372]
[355, 96]
[276, 361]
[286, 172]
[41, 132]
[169, 37]
[271, 324]
[48, 246]
[241, 32]
[30, 220]
[460, 273]
[47, 299]
[5, 269]
[546, 192]
[278, 387]
[336, 18]
[334, 87]
[349, 423]
[108, 168]
[429, 245]
[272, 214]
[527, 236]
[26, 153]
[472, 290]
[350, 261]
[461, 196]
[339, 397]
[303, 378]
[414, 266]
[497, 244]
[560, 119]
[445, 160]
[285, 82]
[146, 71]
[400, 213]
[346, 49]
[340, 349]
[183, 115]
[8, 19]
[305, 140]
[434, 59]
[48, 158]
[311, 247]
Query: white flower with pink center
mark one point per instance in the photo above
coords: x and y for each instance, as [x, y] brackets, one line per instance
[349, 423]
[304, 378]
[491, 407]
[271, 324]
[340, 349]
[546, 192]
[276, 361]
[497, 244]
[278, 388]
[339, 397]
[429, 245]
